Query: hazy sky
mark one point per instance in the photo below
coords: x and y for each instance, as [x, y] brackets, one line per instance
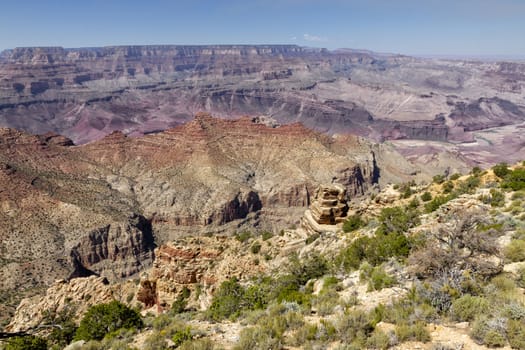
[448, 27]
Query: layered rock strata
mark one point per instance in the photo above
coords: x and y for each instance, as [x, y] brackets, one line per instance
[86, 94]
[327, 209]
[71, 211]
[198, 265]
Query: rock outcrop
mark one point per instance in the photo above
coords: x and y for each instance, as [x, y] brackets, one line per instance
[329, 206]
[198, 265]
[114, 251]
[328, 209]
[73, 298]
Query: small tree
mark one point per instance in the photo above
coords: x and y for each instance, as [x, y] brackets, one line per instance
[461, 242]
[397, 220]
[106, 318]
[227, 300]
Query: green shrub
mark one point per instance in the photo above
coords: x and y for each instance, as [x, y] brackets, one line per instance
[278, 319]
[406, 189]
[374, 250]
[455, 176]
[179, 305]
[447, 187]
[490, 332]
[438, 179]
[520, 279]
[516, 334]
[330, 282]
[497, 198]
[397, 313]
[312, 238]
[181, 335]
[255, 247]
[61, 336]
[397, 219]
[28, 342]
[437, 202]
[413, 204]
[354, 324]
[326, 302]
[378, 340]
[518, 195]
[515, 180]
[416, 331]
[311, 266]
[467, 307]
[227, 300]
[102, 319]
[501, 170]
[503, 284]
[476, 171]
[155, 341]
[469, 185]
[353, 223]
[161, 321]
[349, 258]
[515, 250]
[494, 338]
[231, 299]
[198, 344]
[266, 235]
[257, 338]
[288, 315]
[425, 197]
[305, 334]
[376, 277]
[243, 236]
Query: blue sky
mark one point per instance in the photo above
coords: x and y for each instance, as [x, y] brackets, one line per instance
[447, 27]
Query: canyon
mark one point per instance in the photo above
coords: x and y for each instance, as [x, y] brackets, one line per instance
[101, 208]
[134, 172]
[454, 106]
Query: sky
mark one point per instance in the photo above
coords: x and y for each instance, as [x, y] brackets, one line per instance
[414, 27]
